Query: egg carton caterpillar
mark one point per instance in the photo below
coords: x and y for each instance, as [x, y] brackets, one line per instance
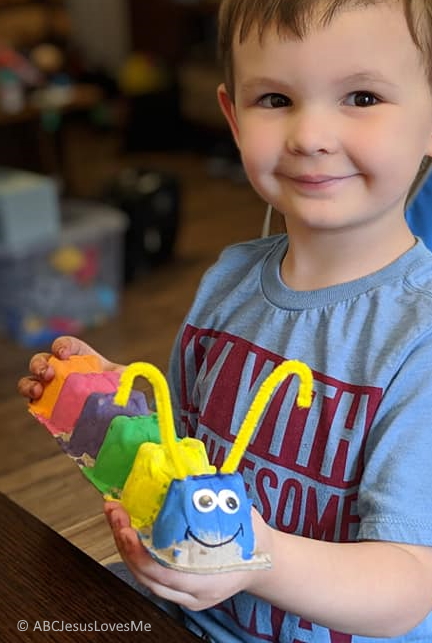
[188, 515]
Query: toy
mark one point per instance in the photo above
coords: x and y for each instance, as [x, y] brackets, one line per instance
[188, 515]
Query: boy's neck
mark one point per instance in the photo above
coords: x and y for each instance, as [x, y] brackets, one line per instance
[324, 259]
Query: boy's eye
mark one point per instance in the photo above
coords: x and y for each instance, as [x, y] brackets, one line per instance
[274, 101]
[362, 99]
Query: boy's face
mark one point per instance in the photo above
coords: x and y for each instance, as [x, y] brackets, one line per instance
[332, 129]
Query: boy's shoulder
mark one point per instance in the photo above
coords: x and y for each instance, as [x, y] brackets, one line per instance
[418, 277]
[237, 264]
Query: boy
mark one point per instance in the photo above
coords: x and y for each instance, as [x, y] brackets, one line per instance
[330, 104]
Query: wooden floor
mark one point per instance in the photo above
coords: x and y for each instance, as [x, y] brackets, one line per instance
[33, 471]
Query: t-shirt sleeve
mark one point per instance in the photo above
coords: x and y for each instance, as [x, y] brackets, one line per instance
[395, 499]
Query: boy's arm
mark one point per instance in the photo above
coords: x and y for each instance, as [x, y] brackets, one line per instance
[367, 588]
[374, 589]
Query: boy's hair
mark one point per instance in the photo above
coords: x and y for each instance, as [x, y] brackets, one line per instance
[238, 17]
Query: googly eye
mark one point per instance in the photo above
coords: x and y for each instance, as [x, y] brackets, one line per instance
[228, 501]
[204, 500]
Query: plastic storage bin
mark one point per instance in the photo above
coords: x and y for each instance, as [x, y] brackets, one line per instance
[29, 208]
[63, 286]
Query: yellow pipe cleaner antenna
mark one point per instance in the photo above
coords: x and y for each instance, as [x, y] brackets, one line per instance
[304, 400]
[163, 405]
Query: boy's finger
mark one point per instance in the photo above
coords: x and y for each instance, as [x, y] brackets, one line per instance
[130, 542]
[65, 346]
[117, 518]
[30, 387]
[39, 365]
[130, 548]
[109, 506]
[134, 554]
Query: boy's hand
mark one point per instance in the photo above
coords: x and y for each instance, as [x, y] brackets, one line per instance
[193, 591]
[41, 373]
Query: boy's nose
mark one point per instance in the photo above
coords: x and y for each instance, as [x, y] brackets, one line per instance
[310, 134]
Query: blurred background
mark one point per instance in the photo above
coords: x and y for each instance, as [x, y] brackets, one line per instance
[110, 128]
[119, 186]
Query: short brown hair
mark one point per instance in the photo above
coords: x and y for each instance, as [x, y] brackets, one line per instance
[238, 17]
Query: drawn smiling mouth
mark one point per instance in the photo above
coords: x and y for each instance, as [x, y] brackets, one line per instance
[190, 534]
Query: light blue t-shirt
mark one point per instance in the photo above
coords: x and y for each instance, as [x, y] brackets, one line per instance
[358, 464]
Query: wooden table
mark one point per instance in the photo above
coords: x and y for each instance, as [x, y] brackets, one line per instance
[48, 587]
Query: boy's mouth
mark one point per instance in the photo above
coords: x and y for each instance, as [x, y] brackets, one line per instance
[316, 178]
[318, 182]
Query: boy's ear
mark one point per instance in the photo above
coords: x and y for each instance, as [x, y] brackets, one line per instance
[228, 110]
